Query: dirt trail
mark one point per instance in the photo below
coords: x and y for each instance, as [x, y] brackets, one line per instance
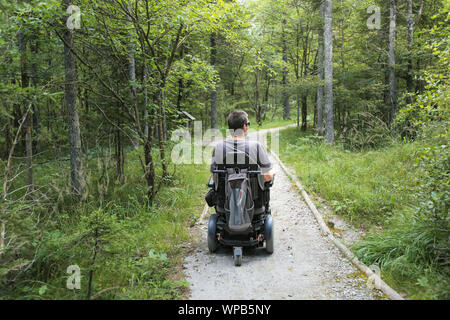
[304, 264]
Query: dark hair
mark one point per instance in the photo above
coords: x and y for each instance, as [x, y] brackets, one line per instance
[237, 120]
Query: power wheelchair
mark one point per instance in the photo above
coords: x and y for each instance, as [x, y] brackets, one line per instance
[243, 217]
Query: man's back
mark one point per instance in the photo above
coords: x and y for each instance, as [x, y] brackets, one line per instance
[224, 153]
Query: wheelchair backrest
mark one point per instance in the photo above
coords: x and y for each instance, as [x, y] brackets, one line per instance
[237, 161]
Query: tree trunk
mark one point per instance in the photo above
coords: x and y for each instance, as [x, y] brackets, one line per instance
[342, 122]
[73, 122]
[8, 136]
[391, 60]
[144, 80]
[319, 104]
[149, 167]
[328, 72]
[162, 149]
[411, 23]
[286, 107]
[257, 99]
[409, 78]
[25, 83]
[36, 111]
[213, 39]
[132, 74]
[304, 111]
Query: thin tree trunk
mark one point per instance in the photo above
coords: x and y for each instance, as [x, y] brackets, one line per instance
[149, 167]
[257, 99]
[145, 76]
[328, 72]
[73, 122]
[8, 136]
[304, 112]
[36, 111]
[342, 122]
[286, 107]
[213, 40]
[411, 23]
[162, 150]
[132, 72]
[319, 104]
[25, 83]
[391, 59]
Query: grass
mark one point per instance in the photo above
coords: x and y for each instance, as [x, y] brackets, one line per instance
[381, 189]
[367, 187]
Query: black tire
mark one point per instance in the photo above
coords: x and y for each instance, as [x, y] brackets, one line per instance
[212, 240]
[268, 234]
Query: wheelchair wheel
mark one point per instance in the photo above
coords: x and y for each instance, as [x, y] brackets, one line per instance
[268, 233]
[212, 240]
[237, 256]
[238, 260]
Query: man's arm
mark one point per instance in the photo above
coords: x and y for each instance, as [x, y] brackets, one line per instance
[268, 176]
[265, 163]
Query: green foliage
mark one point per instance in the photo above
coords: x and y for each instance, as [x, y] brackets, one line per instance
[366, 131]
[431, 105]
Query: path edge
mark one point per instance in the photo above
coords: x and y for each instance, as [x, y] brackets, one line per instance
[378, 282]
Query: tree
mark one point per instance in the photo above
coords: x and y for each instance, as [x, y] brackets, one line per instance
[328, 71]
[391, 59]
[320, 129]
[213, 54]
[73, 121]
[286, 106]
[411, 23]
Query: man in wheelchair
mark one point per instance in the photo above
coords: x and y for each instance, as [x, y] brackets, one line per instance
[241, 177]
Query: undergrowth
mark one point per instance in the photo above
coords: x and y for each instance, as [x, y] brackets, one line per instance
[124, 249]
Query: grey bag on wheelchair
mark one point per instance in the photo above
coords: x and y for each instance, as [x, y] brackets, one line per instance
[239, 206]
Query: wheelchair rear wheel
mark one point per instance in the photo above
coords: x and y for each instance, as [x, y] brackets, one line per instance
[212, 240]
[268, 233]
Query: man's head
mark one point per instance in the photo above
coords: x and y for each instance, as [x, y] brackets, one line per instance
[238, 123]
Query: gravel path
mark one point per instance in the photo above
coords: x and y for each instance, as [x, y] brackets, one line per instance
[304, 264]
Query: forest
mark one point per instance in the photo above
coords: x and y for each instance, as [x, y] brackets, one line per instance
[92, 91]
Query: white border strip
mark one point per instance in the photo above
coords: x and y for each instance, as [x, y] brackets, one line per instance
[378, 282]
